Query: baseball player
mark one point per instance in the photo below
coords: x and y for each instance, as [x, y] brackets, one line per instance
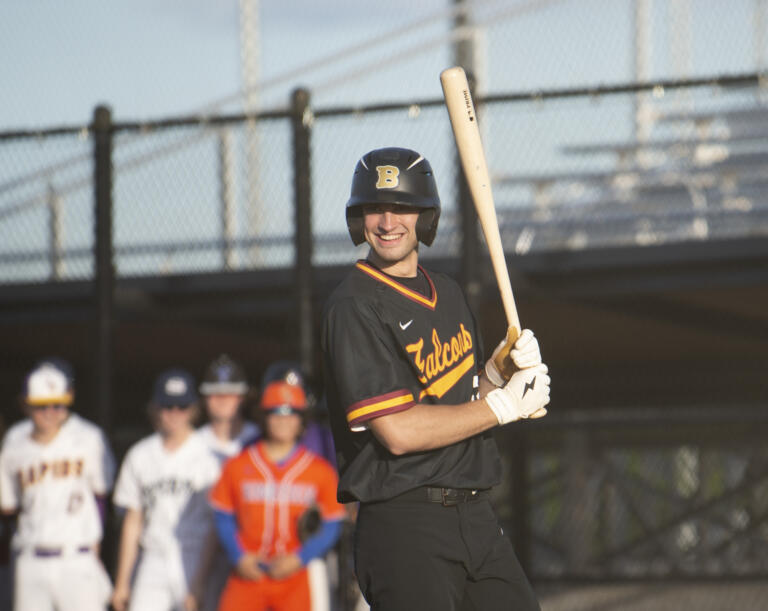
[261, 501]
[55, 472]
[163, 486]
[224, 389]
[317, 438]
[227, 432]
[404, 370]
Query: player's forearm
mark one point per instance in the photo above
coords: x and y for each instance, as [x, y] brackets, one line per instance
[427, 427]
[129, 547]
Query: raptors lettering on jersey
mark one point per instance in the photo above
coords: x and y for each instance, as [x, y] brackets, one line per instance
[53, 466]
[55, 484]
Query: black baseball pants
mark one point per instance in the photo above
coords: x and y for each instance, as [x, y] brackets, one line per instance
[423, 556]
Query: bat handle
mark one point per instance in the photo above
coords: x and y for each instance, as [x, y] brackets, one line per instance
[502, 361]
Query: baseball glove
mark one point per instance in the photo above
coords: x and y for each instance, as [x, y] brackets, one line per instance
[309, 523]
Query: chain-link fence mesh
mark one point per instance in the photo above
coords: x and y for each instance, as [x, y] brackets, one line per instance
[201, 199]
[569, 172]
[46, 209]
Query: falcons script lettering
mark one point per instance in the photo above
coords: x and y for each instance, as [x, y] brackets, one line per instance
[443, 354]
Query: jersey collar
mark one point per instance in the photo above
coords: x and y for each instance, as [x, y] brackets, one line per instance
[295, 454]
[374, 273]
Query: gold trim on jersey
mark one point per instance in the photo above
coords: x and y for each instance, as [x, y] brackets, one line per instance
[402, 289]
[402, 398]
[442, 385]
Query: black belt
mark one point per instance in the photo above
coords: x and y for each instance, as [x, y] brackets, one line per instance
[448, 497]
[54, 552]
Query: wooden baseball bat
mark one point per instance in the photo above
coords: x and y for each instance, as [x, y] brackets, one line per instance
[461, 111]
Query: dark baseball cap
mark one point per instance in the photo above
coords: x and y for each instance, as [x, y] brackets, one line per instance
[174, 387]
[224, 376]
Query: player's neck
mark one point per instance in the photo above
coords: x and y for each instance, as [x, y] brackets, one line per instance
[407, 267]
[174, 440]
[276, 451]
[44, 437]
[226, 430]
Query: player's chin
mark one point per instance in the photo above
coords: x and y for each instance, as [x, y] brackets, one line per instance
[393, 251]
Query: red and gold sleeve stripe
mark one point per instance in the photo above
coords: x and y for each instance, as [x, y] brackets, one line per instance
[392, 402]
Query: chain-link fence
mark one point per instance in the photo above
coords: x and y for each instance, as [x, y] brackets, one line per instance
[571, 171]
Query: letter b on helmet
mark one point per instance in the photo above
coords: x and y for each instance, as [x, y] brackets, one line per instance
[394, 176]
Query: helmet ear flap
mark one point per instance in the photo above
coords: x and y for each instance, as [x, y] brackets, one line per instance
[426, 225]
[355, 224]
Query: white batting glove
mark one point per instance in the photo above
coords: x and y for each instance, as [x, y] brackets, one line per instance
[525, 353]
[524, 396]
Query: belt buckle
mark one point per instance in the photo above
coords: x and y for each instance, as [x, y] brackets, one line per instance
[445, 493]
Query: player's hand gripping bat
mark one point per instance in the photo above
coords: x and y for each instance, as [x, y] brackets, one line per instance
[461, 111]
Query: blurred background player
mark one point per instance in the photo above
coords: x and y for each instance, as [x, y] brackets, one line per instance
[318, 438]
[263, 501]
[163, 486]
[226, 433]
[224, 389]
[55, 472]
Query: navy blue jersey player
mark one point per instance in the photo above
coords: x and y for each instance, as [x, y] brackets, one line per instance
[412, 408]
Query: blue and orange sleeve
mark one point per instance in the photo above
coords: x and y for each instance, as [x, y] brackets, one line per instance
[226, 529]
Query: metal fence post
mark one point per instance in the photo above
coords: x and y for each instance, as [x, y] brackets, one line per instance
[301, 119]
[104, 275]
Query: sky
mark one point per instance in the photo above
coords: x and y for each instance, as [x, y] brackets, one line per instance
[153, 58]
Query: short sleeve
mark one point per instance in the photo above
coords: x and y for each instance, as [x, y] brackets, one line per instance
[9, 484]
[101, 474]
[367, 368]
[222, 495]
[128, 487]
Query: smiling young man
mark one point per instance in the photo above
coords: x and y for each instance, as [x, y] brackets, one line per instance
[402, 363]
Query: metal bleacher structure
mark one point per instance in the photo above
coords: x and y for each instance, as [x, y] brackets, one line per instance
[670, 189]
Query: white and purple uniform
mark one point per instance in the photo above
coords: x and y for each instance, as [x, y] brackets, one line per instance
[53, 487]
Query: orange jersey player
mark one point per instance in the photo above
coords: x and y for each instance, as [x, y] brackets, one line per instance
[260, 501]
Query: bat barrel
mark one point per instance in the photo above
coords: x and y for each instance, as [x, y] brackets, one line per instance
[461, 110]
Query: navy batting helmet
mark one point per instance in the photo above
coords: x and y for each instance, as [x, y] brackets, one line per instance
[394, 176]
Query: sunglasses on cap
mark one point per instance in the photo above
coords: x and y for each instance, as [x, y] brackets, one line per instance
[282, 410]
[44, 406]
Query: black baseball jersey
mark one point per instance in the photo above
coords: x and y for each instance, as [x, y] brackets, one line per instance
[387, 347]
